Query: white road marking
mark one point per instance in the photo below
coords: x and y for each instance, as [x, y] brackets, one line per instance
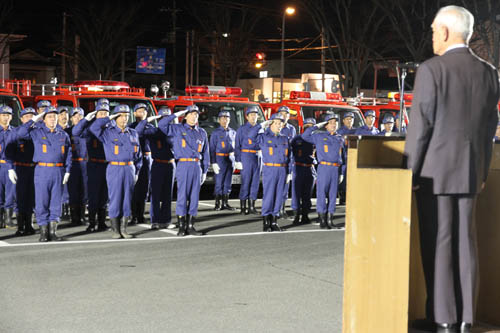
[2, 243]
[168, 231]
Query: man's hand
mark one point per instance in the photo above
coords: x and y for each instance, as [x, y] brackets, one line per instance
[216, 168]
[90, 115]
[37, 117]
[482, 186]
[341, 179]
[319, 125]
[180, 113]
[13, 176]
[288, 178]
[203, 178]
[266, 124]
[151, 118]
[65, 178]
[238, 165]
[116, 115]
[136, 178]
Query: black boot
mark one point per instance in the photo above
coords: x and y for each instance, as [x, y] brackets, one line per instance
[141, 208]
[20, 224]
[217, 202]
[74, 213]
[332, 224]
[83, 220]
[2, 218]
[181, 221]
[28, 227]
[115, 228]
[92, 222]
[274, 224]
[305, 217]
[65, 211]
[243, 207]
[266, 223]
[225, 202]
[296, 217]
[53, 232]
[190, 227]
[133, 209]
[8, 217]
[101, 219]
[123, 227]
[44, 233]
[323, 221]
[251, 207]
[283, 213]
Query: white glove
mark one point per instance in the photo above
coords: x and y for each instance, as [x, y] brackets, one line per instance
[13, 176]
[65, 178]
[321, 124]
[90, 115]
[341, 178]
[238, 165]
[116, 115]
[288, 178]
[216, 168]
[136, 178]
[37, 117]
[151, 118]
[180, 113]
[203, 178]
[266, 124]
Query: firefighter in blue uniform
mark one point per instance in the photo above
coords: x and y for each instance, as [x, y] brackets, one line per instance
[63, 123]
[369, 128]
[162, 170]
[77, 183]
[346, 129]
[249, 161]
[8, 138]
[276, 171]
[222, 142]
[24, 179]
[141, 188]
[304, 175]
[96, 169]
[52, 153]
[387, 124]
[123, 152]
[330, 153]
[290, 132]
[396, 124]
[41, 105]
[191, 151]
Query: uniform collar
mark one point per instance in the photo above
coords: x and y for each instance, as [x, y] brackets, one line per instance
[118, 129]
[55, 130]
[6, 129]
[186, 126]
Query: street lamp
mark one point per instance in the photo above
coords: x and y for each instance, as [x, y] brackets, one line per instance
[288, 11]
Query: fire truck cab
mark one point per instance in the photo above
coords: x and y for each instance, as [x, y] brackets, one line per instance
[211, 100]
[309, 104]
[10, 92]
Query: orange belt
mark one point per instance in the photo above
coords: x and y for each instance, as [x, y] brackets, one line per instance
[147, 153]
[221, 154]
[51, 164]
[329, 163]
[164, 161]
[98, 160]
[121, 163]
[2, 161]
[303, 164]
[248, 151]
[25, 164]
[189, 159]
[79, 159]
[275, 164]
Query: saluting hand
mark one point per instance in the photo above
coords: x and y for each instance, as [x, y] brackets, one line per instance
[37, 117]
[266, 124]
[90, 115]
[151, 118]
[180, 113]
[321, 124]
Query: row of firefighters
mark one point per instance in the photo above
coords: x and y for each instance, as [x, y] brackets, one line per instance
[102, 160]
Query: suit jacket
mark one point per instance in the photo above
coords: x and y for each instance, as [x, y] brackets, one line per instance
[454, 115]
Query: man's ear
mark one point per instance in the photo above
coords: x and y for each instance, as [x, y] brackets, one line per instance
[446, 33]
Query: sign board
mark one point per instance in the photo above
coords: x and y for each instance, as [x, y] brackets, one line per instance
[150, 60]
[262, 74]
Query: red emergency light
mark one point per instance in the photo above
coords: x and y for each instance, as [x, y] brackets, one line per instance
[213, 90]
[102, 85]
[315, 95]
[407, 97]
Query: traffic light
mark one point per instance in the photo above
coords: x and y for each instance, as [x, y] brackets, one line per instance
[260, 60]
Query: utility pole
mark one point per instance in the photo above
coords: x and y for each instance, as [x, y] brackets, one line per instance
[191, 71]
[212, 60]
[75, 58]
[323, 59]
[172, 39]
[187, 57]
[63, 58]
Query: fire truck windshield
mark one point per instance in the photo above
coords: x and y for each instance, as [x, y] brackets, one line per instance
[319, 113]
[89, 103]
[13, 102]
[209, 111]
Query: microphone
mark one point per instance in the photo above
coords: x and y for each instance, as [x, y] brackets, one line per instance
[408, 65]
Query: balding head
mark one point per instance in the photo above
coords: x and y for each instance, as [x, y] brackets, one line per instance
[452, 25]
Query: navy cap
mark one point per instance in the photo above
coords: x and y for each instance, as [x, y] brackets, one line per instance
[164, 111]
[224, 114]
[140, 106]
[192, 108]
[28, 110]
[50, 109]
[251, 109]
[61, 109]
[331, 116]
[370, 113]
[5, 110]
[122, 108]
[42, 104]
[77, 110]
[284, 109]
[102, 101]
[388, 119]
[349, 114]
[311, 121]
[102, 107]
[277, 116]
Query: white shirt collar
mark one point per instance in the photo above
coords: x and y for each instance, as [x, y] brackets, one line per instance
[454, 46]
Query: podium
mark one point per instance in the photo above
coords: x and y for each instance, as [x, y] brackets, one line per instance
[384, 286]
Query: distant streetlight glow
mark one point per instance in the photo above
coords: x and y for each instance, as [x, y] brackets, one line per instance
[288, 11]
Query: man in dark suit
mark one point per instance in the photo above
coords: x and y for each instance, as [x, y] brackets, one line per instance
[449, 146]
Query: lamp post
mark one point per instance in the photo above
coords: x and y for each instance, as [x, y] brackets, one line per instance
[288, 11]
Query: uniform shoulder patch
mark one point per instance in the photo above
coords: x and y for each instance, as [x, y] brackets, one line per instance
[44, 138]
[269, 141]
[184, 133]
[325, 139]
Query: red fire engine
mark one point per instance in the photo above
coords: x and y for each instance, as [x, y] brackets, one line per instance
[10, 92]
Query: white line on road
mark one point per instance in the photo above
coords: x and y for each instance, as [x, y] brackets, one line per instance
[2, 243]
[148, 226]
